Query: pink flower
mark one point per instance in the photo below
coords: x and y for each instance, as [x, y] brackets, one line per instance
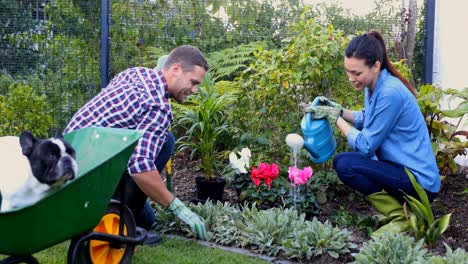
[298, 176]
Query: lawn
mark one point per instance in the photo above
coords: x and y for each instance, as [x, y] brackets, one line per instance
[172, 250]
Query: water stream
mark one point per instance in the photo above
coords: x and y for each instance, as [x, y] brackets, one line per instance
[295, 142]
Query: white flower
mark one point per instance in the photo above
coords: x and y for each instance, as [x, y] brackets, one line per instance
[240, 164]
[245, 156]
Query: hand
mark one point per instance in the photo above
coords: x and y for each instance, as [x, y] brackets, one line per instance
[328, 102]
[322, 111]
[196, 223]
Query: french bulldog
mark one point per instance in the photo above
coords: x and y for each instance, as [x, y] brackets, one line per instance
[29, 167]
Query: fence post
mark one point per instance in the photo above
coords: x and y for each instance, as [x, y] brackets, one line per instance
[105, 42]
[429, 20]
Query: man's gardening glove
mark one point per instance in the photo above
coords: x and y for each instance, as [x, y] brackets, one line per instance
[328, 102]
[322, 111]
[196, 223]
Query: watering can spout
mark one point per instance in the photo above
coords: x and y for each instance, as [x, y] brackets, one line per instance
[318, 137]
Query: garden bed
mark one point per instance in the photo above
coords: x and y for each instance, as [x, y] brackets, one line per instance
[453, 198]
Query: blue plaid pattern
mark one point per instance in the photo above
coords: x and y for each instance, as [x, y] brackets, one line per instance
[136, 98]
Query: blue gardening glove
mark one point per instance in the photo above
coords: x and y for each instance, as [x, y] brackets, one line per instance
[196, 223]
[322, 111]
[328, 102]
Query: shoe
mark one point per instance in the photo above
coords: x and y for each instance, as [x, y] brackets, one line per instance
[152, 238]
[394, 215]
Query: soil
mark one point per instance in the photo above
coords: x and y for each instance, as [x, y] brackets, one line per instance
[453, 199]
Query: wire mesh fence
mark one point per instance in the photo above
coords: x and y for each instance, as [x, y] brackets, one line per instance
[54, 46]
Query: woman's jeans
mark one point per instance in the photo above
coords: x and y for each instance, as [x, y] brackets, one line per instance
[136, 199]
[370, 176]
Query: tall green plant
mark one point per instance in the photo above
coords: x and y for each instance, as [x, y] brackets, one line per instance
[422, 221]
[205, 124]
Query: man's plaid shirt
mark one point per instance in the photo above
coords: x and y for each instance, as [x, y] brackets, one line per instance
[136, 98]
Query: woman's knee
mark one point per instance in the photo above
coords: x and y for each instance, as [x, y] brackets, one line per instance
[342, 162]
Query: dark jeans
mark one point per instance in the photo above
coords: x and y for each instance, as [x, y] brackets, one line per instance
[371, 176]
[136, 199]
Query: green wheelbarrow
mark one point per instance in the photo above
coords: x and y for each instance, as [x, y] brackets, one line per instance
[102, 230]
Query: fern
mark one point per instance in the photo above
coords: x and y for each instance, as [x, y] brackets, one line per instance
[151, 56]
[229, 63]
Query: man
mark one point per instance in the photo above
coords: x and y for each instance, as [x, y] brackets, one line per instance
[138, 98]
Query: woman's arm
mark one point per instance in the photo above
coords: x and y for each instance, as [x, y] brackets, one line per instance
[343, 125]
[348, 115]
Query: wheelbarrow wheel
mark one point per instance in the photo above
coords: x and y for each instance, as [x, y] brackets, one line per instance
[103, 252]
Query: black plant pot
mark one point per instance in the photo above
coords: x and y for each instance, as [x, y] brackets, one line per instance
[212, 189]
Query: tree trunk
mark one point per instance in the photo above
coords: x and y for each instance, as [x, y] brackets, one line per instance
[411, 36]
[399, 39]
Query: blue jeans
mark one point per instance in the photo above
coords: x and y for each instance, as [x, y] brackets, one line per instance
[369, 176]
[135, 198]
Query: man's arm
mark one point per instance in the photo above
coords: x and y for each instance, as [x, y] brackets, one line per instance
[152, 185]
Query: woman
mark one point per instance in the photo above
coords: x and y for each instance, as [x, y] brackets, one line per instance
[388, 135]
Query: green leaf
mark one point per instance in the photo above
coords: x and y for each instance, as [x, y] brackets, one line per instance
[419, 190]
[444, 223]
[426, 211]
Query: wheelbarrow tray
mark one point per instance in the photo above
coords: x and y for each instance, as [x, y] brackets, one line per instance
[102, 155]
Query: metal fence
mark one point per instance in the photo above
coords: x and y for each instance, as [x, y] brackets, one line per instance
[56, 46]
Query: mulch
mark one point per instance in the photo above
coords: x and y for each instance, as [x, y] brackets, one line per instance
[452, 199]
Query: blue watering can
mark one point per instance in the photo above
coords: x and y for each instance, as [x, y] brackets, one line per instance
[318, 137]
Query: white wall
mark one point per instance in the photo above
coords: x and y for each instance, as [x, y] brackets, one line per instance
[451, 44]
[450, 68]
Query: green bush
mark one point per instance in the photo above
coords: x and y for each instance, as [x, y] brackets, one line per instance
[443, 134]
[317, 238]
[222, 220]
[266, 230]
[457, 256]
[22, 109]
[309, 64]
[392, 249]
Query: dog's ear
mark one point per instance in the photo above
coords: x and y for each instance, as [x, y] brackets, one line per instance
[58, 134]
[27, 141]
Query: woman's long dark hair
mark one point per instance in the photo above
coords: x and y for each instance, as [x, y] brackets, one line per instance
[371, 48]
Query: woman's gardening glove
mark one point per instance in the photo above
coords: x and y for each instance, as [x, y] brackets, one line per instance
[196, 223]
[328, 102]
[322, 111]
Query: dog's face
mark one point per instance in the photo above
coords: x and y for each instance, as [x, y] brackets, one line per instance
[52, 160]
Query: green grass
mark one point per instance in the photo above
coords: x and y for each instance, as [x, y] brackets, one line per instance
[172, 250]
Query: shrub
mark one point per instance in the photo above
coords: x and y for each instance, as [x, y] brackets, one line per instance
[309, 64]
[391, 248]
[22, 109]
[266, 230]
[221, 220]
[444, 141]
[317, 238]
[457, 256]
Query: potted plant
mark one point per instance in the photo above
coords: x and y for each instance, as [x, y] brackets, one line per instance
[205, 122]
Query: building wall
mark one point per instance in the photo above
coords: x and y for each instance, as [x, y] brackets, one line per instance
[450, 69]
